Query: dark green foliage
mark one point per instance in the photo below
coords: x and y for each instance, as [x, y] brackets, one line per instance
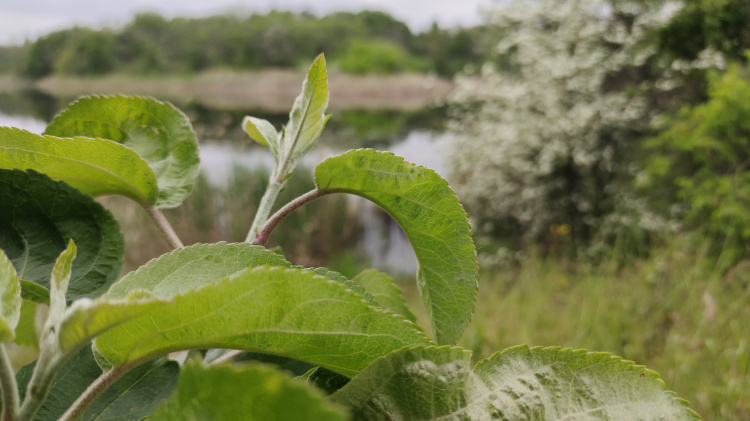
[699, 165]
[721, 25]
[39, 216]
[134, 396]
[151, 44]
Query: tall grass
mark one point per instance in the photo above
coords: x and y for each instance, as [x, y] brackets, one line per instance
[673, 312]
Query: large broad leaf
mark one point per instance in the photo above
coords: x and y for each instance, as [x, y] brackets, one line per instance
[160, 133]
[193, 267]
[39, 216]
[93, 166]
[384, 290]
[273, 310]
[521, 383]
[434, 221]
[134, 396]
[10, 299]
[251, 392]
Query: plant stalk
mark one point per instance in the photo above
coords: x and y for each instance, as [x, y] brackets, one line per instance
[264, 208]
[9, 387]
[94, 390]
[40, 383]
[268, 227]
[164, 227]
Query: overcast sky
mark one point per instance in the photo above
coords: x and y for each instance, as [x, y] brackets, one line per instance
[27, 19]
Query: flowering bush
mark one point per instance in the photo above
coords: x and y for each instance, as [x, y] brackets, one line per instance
[546, 130]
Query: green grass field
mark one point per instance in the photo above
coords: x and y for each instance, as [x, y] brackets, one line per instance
[671, 312]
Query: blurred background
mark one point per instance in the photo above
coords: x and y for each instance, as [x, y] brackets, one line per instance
[600, 147]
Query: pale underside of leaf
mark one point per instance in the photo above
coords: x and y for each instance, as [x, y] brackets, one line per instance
[161, 134]
[273, 310]
[433, 220]
[94, 166]
[520, 383]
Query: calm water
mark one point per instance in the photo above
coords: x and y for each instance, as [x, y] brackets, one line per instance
[229, 159]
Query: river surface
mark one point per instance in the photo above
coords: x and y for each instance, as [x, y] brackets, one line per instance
[227, 154]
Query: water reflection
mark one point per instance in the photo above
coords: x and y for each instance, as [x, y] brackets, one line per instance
[345, 232]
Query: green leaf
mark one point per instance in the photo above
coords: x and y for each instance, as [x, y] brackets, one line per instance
[94, 166]
[520, 383]
[384, 290]
[263, 132]
[432, 218]
[34, 292]
[44, 215]
[337, 276]
[307, 118]
[251, 392]
[137, 394]
[26, 333]
[193, 267]
[10, 299]
[272, 310]
[157, 131]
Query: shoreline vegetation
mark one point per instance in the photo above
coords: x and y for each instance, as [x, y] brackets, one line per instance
[271, 90]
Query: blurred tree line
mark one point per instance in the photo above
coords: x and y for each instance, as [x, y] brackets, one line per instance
[601, 126]
[365, 42]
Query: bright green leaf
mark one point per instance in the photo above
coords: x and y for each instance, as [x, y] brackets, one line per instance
[157, 131]
[273, 310]
[193, 267]
[520, 383]
[250, 392]
[94, 166]
[307, 118]
[433, 220]
[384, 290]
[263, 132]
[137, 394]
[10, 299]
[44, 215]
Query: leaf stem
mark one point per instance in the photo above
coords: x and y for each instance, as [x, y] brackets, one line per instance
[164, 227]
[94, 390]
[273, 221]
[9, 387]
[264, 208]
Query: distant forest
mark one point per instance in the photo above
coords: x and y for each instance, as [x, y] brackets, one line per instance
[365, 42]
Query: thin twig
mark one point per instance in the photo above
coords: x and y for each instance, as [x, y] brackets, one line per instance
[282, 213]
[94, 390]
[164, 227]
[9, 387]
